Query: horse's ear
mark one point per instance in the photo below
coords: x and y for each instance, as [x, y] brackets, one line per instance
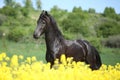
[43, 11]
[46, 12]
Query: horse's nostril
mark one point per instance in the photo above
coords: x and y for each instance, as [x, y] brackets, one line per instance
[34, 36]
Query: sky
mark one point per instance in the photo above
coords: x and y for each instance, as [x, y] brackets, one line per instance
[98, 5]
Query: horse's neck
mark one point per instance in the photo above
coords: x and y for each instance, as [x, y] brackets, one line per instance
[53, 40]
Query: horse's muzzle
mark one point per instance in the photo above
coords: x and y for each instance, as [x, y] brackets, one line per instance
[35, 36]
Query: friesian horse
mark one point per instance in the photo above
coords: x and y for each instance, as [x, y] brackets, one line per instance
[80, 50]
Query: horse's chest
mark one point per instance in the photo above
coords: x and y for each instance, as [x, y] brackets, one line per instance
[56, 48]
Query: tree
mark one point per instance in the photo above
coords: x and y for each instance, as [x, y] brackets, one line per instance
[9, 11]
[9, 2]
[24, 12]
[27, 8]
[75, 23]
[17, 6]
[91, 10]
[38, 3]
[28, 4]
[75, 9]
[58, 13]
[109, 12]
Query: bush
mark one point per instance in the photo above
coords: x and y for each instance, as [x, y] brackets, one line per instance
[25, 12]
[96, 42]
[108, 28]
[76, 23]
[112, 41]
[1, 33]
[3, 18]
[9, 11]
[16, 34]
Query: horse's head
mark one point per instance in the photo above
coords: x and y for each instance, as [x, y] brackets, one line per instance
[42, 24]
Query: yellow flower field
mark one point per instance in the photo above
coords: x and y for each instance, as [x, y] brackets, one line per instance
[18, 68]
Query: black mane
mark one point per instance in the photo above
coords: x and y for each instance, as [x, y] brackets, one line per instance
[55, 27]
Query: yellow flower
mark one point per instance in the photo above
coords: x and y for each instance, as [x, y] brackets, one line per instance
[4, 63]
[21, 57]
[3, 55]
[34, 58]
[7, 58]
[31, 69]
[63, 59]
[28, 60]
[14, 61]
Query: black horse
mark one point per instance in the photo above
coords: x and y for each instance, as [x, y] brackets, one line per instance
[56, 45]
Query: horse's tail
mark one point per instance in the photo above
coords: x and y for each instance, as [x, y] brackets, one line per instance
[98, 59]
[93, 54]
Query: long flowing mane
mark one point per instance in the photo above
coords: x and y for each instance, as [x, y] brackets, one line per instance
[55, 27]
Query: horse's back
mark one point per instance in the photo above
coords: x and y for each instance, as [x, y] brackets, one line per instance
[75, 49]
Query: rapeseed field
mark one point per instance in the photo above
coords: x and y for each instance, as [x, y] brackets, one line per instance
[18, 68]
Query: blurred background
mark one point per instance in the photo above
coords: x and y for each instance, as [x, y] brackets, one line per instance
[95, 21]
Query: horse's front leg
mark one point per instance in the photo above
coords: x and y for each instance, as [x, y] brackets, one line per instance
[50, 58]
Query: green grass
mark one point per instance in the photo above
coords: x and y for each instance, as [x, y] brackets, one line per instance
[26, 49]
[109, 56]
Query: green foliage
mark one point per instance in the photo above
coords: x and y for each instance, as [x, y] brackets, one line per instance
[27, 8]
[74, 22]
[110, 12]
[118, 17]
[28, 5]
[91, 10]
[112, 41]
[58, 14]
[38, 3]
[75, 9]
[16, 34]
[17, 6]
[3, 18]
[1, 33]
[9, 11]
[108, 28]
[24, 12]
[96, 42]
[9, 3]
[11, 22]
